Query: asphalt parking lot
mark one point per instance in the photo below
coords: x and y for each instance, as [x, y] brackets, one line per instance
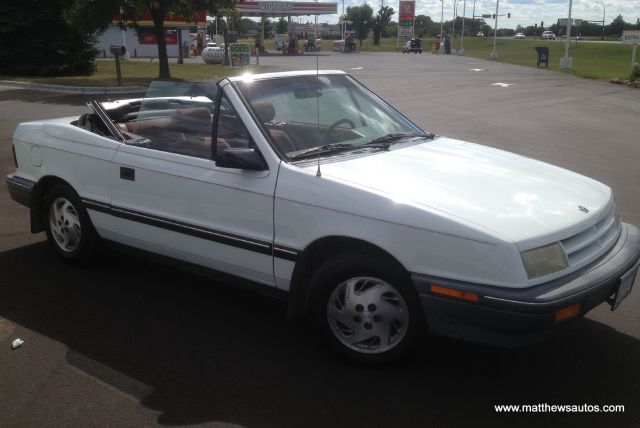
[127, 342]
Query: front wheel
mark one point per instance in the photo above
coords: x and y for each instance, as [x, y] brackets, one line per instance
[68, 226]
[366, 307]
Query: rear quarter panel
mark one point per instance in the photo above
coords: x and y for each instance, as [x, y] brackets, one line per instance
[58, 148]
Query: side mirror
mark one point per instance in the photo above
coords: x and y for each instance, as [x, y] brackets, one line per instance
[241, 159]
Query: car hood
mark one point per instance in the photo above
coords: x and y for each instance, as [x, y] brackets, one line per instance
[529, 202]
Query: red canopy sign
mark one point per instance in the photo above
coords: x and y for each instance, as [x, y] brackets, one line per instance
[148, 37]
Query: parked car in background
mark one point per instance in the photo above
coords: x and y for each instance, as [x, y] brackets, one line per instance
[308, 186]
[480, 34]
[413, 45]
[548, 35]
[519, 36]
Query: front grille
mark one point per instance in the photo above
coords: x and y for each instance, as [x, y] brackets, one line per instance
[587, 245]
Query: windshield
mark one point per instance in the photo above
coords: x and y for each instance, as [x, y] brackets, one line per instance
[163, 98]
[174, 117]
[304, 112]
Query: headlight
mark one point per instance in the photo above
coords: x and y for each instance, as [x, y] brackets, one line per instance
[544, 260]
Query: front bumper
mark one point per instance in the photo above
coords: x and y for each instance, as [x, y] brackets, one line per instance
[512, 317]
[20, 189]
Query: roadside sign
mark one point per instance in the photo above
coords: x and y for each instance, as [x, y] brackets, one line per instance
[631, 37]
[239, 54]
[562, 22]
[486, 15]
[407, 12]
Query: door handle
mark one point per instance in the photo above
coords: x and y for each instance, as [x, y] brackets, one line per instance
[127, 173]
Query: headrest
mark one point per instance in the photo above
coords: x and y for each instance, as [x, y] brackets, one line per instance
[193, 113]
[265, 111]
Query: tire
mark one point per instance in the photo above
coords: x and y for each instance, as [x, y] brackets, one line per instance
[69, 229]
[366, 307]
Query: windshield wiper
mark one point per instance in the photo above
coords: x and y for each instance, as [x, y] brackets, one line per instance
[323, 149]
[395, 138]
[382, 142]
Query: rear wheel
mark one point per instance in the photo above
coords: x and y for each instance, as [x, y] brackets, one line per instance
[366, 307]
[68, 226]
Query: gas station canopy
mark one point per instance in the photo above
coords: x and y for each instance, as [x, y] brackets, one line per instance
[285, 8]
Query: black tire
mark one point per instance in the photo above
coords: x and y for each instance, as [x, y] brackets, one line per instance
[399, 311]
[82, 239]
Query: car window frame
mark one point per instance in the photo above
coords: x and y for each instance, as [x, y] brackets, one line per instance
[117, 135]
[214, 132]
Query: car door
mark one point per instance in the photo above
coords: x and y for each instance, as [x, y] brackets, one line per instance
[187, 207]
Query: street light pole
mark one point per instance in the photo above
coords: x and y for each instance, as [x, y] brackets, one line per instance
[604, 11]
[441, 19]
[464, 11]
[494, 54]
[453, 27]
[566, 62]
[474, 17]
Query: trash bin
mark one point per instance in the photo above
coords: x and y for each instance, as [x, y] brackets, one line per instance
[543, 56]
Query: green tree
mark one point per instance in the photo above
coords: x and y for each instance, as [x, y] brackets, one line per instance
[380, 22]
[235, 21]
[422, 24]
[36, 39]
[362, 17]
[617, 26]
[96, 15]
[282, 26]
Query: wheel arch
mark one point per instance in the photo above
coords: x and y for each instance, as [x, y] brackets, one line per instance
[312, 257]
[38, 195]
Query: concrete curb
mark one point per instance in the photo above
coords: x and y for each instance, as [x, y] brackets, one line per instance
[73, 89]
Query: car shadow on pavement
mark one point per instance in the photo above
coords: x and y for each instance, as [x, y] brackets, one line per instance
[199, 352]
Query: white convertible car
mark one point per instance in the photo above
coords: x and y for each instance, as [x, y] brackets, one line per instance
[321, 192]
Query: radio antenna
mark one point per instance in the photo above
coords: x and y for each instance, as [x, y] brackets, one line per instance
[315, 40]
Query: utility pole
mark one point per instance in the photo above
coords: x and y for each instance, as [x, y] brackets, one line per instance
[441, 36]
[464, 11]
[604, 11]
[453, 26]
[494, 54]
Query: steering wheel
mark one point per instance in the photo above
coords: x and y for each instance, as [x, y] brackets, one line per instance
[335, 125]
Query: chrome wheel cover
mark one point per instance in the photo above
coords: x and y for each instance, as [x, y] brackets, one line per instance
[64, 223]
[367, 315]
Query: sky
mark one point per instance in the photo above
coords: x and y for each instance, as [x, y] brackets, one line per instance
[523, 12]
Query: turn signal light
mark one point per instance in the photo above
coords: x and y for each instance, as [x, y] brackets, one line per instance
[568, 312]
[456, 294]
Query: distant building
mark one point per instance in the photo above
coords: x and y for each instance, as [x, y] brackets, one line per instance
[144, 44]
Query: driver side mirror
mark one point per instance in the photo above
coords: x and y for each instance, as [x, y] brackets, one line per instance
[250, 159]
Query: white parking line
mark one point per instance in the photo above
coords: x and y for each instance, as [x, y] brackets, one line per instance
[504, 85]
